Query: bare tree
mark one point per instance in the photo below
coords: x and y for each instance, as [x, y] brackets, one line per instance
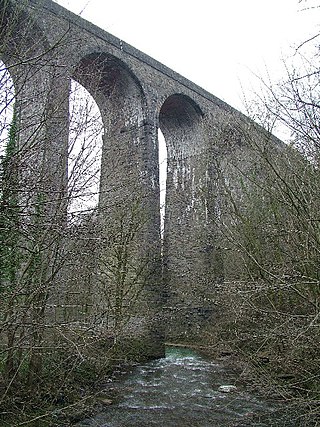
[121, 278]
[271, 237]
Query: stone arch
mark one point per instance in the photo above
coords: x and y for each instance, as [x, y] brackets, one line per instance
[122, 104]
[24, 50]
[23, 42]
[111, 82]
[39, 101]
[125, 217]
[181, 121]
[178, 114]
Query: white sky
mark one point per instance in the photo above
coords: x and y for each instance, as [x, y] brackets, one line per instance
[218, 44]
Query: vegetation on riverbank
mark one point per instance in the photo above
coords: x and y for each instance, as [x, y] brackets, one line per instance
[268, 308]
[70, 385]
[274, 346]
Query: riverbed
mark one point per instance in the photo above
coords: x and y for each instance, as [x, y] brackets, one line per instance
[181, 390]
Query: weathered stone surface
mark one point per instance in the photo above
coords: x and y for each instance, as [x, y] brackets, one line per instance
[136, 95]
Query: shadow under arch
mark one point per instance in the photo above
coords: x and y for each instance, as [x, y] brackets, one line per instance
[181, 122]
[111, 83]
[179, 111]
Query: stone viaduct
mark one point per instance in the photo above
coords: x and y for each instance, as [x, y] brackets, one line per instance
[44, 46]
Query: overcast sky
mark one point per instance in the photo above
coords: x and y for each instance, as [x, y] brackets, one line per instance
[218, 44]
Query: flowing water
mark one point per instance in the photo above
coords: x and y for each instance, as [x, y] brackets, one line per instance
[181, 390]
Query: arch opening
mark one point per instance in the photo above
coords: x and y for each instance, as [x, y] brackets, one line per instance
[180, 127]
[7, 100]
[84, 151]
[120, 99]
[112, 85]
[162, 148]
[180, 120]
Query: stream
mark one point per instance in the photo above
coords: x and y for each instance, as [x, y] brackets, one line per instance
[181, 390]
